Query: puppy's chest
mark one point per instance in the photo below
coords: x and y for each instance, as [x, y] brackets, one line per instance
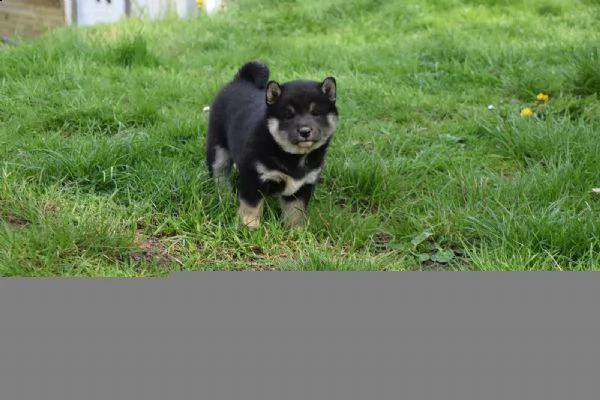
[288, 181]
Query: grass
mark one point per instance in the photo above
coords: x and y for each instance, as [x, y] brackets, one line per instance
[102, 140]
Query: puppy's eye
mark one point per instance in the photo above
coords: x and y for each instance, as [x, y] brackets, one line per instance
[288, 114]
[315, 112]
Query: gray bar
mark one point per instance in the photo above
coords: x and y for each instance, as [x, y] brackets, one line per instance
[302, 336]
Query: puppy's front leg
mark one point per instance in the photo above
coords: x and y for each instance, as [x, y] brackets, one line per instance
[251, 200]
[294, 207]
[250, 213]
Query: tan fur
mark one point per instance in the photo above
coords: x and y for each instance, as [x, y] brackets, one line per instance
[282, 139]
[221, 171]
[250, 216]
[291, 185]
[294, 212]
[273, 92]
[329, 88]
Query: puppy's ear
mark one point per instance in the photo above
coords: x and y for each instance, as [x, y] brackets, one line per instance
[328, 87]
[273, 92]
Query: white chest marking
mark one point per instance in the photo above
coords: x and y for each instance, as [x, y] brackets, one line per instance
[291, 185]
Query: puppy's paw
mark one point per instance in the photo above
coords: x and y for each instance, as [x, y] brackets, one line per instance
[250, 222]
[294, 212]
[250, 215]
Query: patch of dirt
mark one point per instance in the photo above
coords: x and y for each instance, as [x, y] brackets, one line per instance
[262, 268]
[15, 220]
[253, 266]
[380, 242]
[434, 266]
[255, 261]
[357, 206]
[151, 248]
[49, 206]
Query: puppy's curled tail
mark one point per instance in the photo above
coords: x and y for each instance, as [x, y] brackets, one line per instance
[255, 72]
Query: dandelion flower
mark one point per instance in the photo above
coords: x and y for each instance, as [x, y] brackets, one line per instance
[542, 97]
[526, 112]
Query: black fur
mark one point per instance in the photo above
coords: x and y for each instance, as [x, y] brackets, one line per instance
[255, 72]
[304, 111]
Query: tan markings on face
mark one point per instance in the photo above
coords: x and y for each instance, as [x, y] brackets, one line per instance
[282, 139]
[294, 212]
[249, 215]
[306, 144]
[311, 107]
[291, 109]
[332, 120]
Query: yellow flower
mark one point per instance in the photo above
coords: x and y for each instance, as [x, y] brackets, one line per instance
[542, 97]
[200, 3]
[526, 112]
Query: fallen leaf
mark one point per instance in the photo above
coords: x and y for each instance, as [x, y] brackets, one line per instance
[422, 257]
[420, 238]
[443, 257]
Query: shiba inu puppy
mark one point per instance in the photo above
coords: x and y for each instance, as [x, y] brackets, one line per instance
[276, 135]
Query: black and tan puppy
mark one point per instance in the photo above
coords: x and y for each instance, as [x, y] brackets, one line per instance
[275, 134]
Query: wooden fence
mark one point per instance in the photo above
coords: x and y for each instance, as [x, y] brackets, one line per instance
[29, 18]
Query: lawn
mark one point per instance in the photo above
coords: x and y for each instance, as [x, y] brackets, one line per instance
[102, 140]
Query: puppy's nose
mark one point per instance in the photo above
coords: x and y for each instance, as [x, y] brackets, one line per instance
[304, 131]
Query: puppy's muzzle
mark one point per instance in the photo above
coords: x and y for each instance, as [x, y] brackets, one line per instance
[305, 132]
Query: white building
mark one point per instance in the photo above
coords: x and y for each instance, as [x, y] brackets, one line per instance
[90, 12]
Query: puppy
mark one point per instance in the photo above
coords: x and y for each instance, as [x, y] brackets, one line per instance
[276, 135]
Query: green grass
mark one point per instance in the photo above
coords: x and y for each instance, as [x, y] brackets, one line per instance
[102, 140]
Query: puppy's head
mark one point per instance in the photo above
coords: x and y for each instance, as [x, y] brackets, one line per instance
[301, 115]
